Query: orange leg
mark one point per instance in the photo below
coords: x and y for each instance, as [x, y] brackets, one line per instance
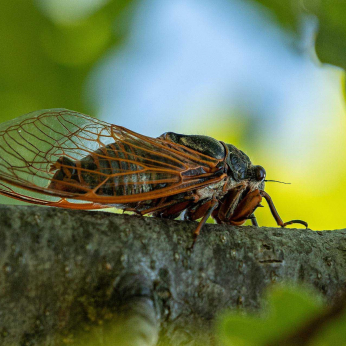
[204, 211]
[167, 209]
[228, 206]
[276, 214]
[173, 211]
[246, 207]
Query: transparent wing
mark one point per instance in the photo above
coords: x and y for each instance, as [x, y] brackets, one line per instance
[49, 156]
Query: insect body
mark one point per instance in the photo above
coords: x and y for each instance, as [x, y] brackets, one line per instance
[66, 159]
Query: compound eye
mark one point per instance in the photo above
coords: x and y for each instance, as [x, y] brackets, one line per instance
[260, 173]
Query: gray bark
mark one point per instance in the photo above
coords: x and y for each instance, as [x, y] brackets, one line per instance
[75, 277]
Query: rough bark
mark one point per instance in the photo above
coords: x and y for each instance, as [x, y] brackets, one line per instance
[77, 277]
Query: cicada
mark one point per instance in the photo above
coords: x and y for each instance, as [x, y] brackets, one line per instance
[63, 158]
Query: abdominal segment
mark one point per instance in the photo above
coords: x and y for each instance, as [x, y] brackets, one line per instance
[113, 170]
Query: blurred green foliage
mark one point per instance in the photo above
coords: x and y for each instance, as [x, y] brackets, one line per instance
[44, 63]
[331, 32]
[288, 310]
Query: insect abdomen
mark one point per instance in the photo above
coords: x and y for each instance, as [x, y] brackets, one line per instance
[106, 171]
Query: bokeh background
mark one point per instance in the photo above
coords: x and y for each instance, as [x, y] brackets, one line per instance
[248, 73]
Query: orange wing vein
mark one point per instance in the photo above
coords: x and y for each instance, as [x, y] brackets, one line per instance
[64, 158]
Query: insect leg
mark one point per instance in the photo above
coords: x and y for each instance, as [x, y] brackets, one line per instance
[228, 204]
[276, 214]
[206, 208]
[173, 211]
[246, 207]
[253, 219]
[186, 200]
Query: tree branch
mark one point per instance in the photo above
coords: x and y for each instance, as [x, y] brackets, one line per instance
[75, 276]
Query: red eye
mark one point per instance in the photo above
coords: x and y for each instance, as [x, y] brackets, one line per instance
[260, 173]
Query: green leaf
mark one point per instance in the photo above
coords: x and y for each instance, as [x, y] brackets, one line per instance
[44, 64]
[284, 11]
[287, 309]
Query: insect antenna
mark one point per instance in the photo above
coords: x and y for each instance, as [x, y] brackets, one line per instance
[276, 181]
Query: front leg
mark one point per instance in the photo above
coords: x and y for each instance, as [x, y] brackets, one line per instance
[246, 208]
[248, 205]
[228, 204]
[276, 214]
[202, 210]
